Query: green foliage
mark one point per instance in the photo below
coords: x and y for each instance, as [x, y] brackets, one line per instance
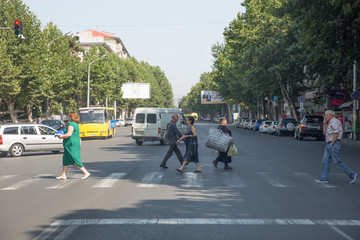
[44, 71]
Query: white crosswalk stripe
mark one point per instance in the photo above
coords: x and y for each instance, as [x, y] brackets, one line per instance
[232, 180]
[151, 179]
[193, 180]
[229, 179]
[20, 184]
[65, 183]
[109, 181]
[271, 179]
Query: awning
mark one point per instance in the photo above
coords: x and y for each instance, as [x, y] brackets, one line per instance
[346, 105]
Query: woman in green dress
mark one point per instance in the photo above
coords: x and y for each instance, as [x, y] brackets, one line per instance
[71, 144]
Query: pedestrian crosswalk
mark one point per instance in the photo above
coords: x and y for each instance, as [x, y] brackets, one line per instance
[226, 179]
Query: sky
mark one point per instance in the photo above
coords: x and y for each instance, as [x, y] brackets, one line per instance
[177, 36]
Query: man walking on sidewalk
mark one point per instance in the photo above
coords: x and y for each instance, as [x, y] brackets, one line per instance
[333, 132]
[173, 134]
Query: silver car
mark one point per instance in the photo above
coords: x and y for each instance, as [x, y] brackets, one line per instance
[19, 138]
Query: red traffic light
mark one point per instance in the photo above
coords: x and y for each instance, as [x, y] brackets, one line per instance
[17, 22]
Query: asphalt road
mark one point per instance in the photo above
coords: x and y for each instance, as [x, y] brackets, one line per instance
[269, 194]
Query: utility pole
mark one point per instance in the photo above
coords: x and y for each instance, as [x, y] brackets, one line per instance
[355, 115]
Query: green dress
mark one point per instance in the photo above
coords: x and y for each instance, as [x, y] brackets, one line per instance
[72, 147]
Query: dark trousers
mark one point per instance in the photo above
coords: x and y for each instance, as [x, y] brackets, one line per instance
[173, 148]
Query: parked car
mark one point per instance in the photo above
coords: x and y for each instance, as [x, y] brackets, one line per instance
[56, 124]
[264, 127]
[286, 126]
[310, 126]
[273, 127]
[252, 124]
[257, 124]
[245, 124]
[129, 121]
[120, 122]
[19, 138]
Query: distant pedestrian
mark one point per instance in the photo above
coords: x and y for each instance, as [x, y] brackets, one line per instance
[333, 132]
[190, 138]
[223, 157]
[71, 144]
[173, 134]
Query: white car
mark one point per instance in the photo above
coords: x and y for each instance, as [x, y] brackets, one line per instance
[264, 127]
[15, 139]
[120, 122]
[273, 127]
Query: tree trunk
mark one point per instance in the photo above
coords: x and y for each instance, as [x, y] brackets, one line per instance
[287, 97]
[29, 112]
[11, 107]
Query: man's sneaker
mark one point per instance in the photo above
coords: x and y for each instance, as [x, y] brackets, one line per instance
[163, 166]
[321, 181]
[353, 179]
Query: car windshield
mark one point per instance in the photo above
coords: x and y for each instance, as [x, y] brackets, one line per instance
[268, 123]
[92, 116]
[286, 121]
[53, 124]
[314, 119]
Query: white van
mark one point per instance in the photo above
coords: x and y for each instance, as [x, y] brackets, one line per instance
[150, 124]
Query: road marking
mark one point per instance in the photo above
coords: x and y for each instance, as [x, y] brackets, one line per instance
[341, 232]
[193, 180]
[204, 221]
[271, 180]
[151, 179]
[64, 183]
[67, 232]
[20, 184]
[4, 177]
[109, 181]
[233, 180]
[309, 179]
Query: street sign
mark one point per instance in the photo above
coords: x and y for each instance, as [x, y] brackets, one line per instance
[356, 104]
[275, 98]
[355, 95]
[301, 99]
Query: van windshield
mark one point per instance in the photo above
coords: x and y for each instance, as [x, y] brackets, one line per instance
[140, 118]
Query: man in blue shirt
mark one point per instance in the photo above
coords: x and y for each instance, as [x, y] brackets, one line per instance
[173, 134]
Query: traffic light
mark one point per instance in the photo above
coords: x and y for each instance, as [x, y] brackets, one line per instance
[18, 28]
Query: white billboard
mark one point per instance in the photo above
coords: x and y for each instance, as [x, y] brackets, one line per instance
[136, 90]
[210, 97]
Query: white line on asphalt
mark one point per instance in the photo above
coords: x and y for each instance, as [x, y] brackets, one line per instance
[4, 177]
[232, 180]
[195, 221]
[271, 180]
[67, 232]
[193, 180]
[64, 183]
[151, 179]
[341, 232]
[19, 184]
[206, 221]
[309, 179]
[109, 181]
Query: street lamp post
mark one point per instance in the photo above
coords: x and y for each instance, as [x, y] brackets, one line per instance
[88, 90]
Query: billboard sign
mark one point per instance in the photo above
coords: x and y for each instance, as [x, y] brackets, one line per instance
[211, 97]
[136, 90]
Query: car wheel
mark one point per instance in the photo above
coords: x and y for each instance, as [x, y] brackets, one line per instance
[16, 150]
[139, 142]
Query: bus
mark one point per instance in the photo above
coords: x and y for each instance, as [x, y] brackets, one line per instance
[97, 122]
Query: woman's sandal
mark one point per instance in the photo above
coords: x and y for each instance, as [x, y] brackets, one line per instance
[179, 170]
[197, 171]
